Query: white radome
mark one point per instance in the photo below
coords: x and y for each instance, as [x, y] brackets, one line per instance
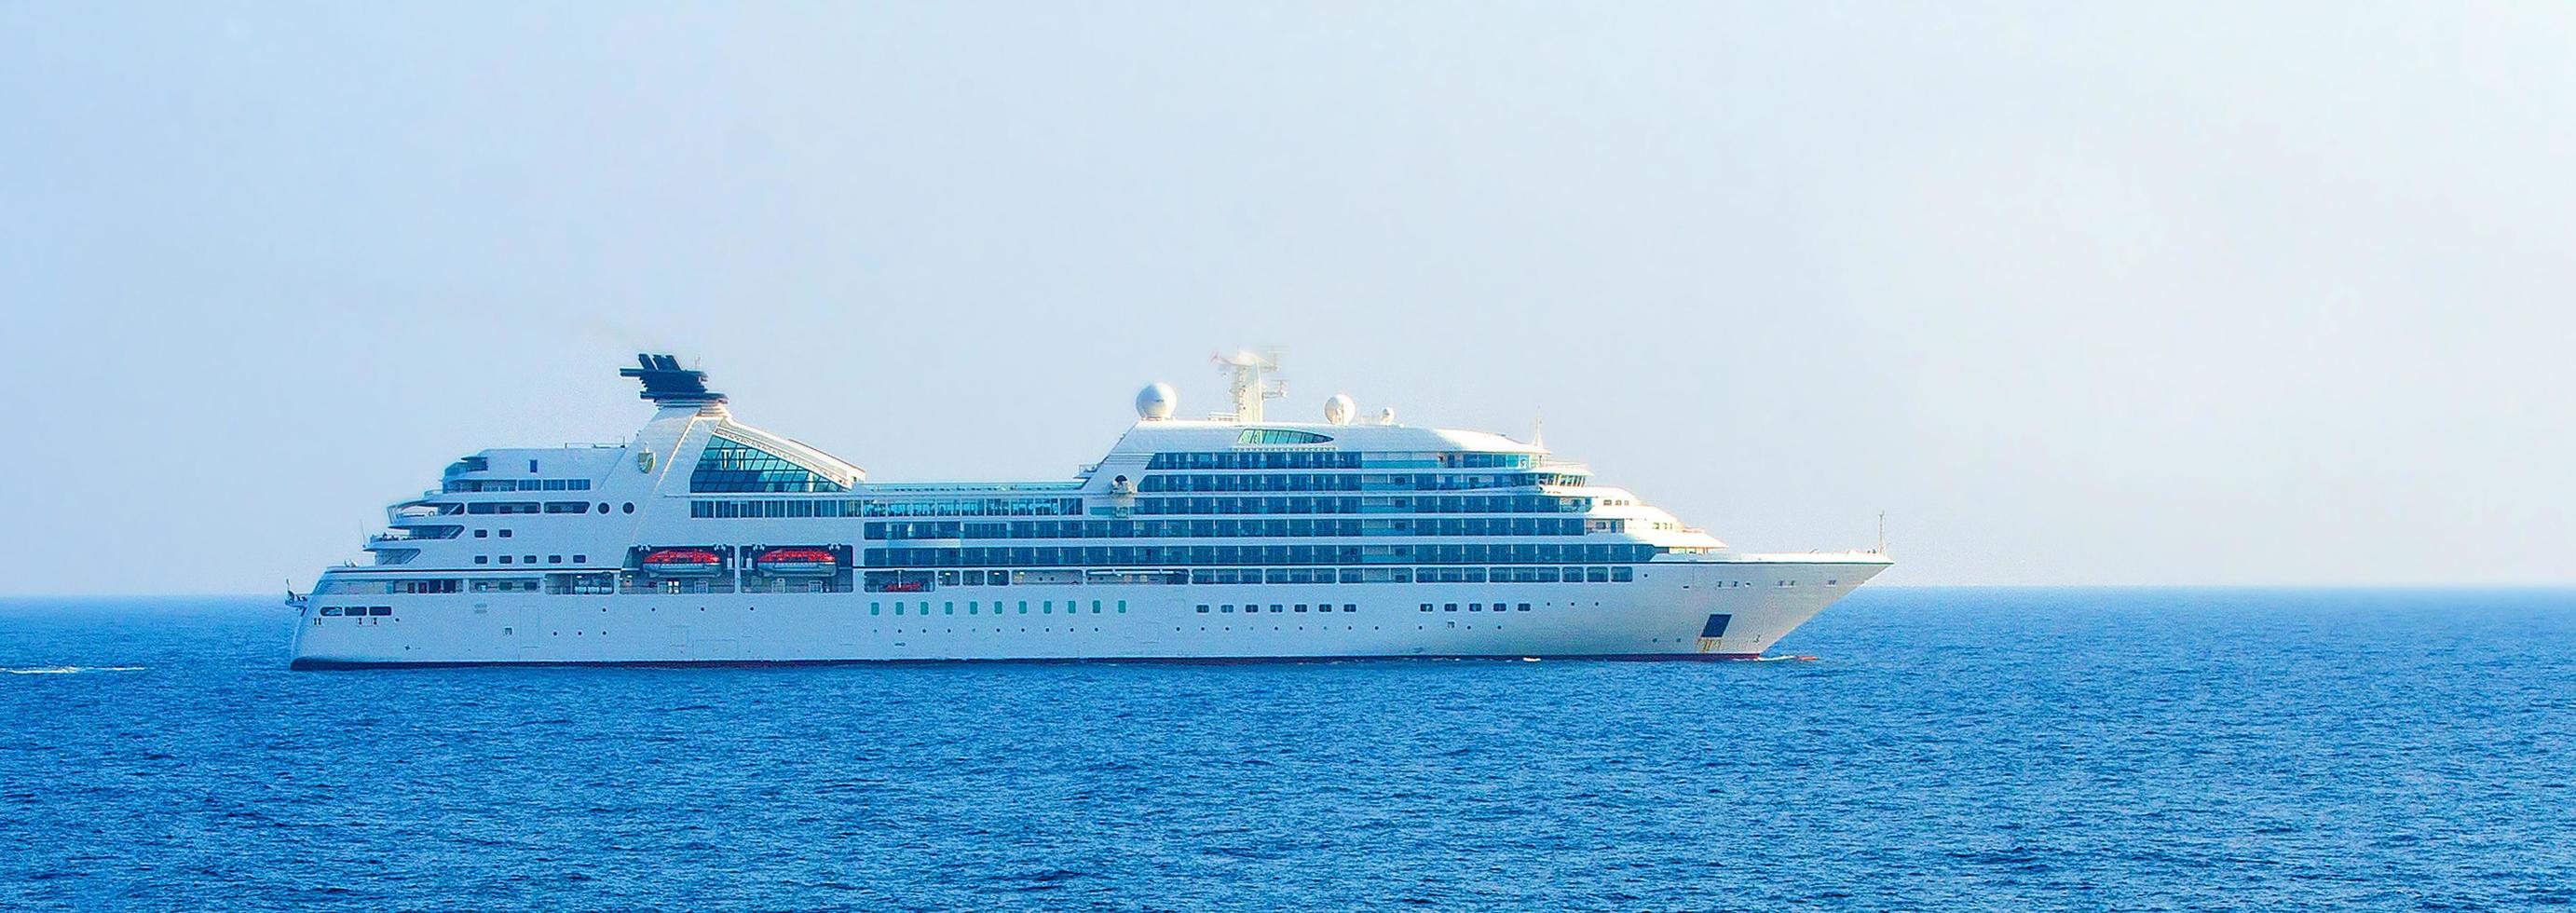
[1156, 401]
[1339, 409]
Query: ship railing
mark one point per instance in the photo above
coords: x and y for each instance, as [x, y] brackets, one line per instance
[1156, 576]
[796, 585]
[674, 587]
[944, 487]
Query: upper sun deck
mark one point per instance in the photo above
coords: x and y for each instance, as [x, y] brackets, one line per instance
[1204, 435]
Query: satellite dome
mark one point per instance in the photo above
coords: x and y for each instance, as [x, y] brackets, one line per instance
[1156, 401]
[1387, 416]
[1338, 409]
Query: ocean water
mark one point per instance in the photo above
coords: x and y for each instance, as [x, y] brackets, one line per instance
[1946, 749]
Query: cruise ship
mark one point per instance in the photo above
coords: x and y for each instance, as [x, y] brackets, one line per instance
[1234, 537]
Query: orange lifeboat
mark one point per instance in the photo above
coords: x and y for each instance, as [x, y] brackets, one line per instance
[683, 562]
[797, 561]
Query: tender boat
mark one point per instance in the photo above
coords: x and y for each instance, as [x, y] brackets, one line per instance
[684, 562]
[801, 561]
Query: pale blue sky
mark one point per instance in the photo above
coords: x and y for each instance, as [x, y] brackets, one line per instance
[2156, 293]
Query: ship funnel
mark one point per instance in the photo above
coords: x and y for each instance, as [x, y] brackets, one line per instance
[668, 384]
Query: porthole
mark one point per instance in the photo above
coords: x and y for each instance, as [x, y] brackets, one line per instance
[630, 507]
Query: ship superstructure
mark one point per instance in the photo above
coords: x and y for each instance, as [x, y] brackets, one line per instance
[702, 539]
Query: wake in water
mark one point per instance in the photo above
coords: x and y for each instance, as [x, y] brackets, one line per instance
[67, 670]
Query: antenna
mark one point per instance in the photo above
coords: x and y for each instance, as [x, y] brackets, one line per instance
[1250, 390]
[1882, 534]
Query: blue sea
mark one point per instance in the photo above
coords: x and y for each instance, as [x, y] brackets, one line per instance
[1953, 749]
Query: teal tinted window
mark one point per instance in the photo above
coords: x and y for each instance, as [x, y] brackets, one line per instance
[1280, 436]
[731, 465]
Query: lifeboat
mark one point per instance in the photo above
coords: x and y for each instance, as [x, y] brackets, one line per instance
[683, 562]
[797, 561]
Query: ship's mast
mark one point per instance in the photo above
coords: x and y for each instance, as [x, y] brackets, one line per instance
[1250, 390]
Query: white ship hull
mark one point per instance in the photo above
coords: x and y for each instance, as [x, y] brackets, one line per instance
[1755, 600]
[705, 540]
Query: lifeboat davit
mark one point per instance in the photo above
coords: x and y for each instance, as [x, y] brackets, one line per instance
[683, 562]
[797, 561]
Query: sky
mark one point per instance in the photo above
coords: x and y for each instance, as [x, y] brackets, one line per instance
[2268, 293]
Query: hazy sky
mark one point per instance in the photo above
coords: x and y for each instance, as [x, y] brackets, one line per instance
[2077, 293]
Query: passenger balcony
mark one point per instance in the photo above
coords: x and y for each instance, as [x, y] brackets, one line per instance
[415, 534]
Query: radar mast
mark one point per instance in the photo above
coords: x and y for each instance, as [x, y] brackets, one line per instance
[1250, 389]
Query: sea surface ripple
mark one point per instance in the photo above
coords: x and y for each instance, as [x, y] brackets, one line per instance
[1949, 749]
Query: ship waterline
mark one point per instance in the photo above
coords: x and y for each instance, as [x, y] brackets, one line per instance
[703, 540]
